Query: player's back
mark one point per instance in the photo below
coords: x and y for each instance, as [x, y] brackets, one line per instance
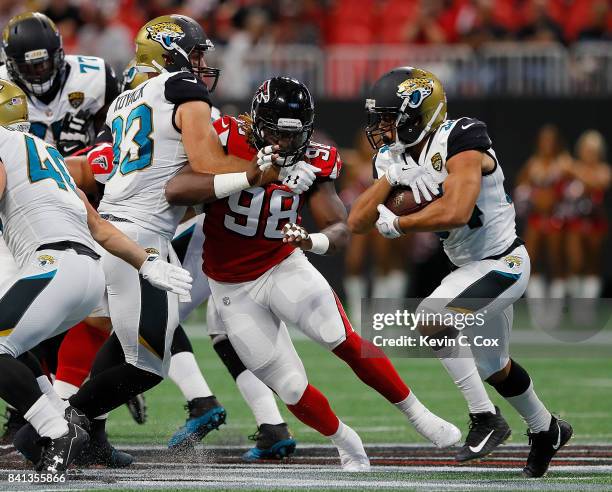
[244, 231]
[148, 151]
[40, 204]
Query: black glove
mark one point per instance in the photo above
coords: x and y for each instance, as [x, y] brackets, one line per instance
[74, 134]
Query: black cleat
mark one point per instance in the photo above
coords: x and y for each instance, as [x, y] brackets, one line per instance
[487, 431]
[273, 442]
[100, 452]
[59, 453]
[14, 422]
[137, 407]
[544, 445]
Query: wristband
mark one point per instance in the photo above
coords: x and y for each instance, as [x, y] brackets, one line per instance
[230, 183]
[396, 224]
[320, 243]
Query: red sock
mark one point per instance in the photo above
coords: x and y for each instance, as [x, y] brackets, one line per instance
[373, 367]
[313, 409]
[77, 352]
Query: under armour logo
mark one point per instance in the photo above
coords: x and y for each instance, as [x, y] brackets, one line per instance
[56, 461]
[293, 179]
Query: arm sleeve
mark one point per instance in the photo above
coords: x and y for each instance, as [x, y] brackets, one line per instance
[467, 134]
[112, 85]
[104, 136]
[184, 87]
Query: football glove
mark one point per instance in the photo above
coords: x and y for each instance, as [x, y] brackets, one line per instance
[417, 178]
[165, 276]
[295, 232]
[387, 223]
[299, 177]
[268, 156]
[73, 132]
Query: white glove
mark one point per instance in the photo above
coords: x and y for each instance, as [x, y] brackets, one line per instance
[387, 223]
[417, 178]
[265, 158]
[295, 232]
[299, 177]
[165, 276]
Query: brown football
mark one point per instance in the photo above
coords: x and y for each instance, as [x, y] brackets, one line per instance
[401, 201]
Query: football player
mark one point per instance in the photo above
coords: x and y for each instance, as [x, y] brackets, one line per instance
[50, 230]
[260, 278]
[67, 97]
[418, 147]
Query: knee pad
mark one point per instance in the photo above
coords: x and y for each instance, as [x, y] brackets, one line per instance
[516, 383]
[291, 387]
[228, 355]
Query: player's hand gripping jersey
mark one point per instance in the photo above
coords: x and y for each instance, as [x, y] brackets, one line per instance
[243, 231]
[491, 229]
[148, 150]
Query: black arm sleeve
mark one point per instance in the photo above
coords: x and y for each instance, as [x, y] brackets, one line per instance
[468, 134]
[104, 136]
[112, 85]
[184, 87]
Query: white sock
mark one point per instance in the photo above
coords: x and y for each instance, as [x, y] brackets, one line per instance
[259, 398]
[411, 407]
[536, 288]
[558, 288]
[591, 287]
[339, 434]
[64, 390]
[397, 282]
[533, 411]
[465, 375]
[186, 374]
[355, 288]
[46, 419]
[45, 386]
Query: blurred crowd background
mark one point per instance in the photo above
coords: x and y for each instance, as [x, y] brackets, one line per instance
[538, 72]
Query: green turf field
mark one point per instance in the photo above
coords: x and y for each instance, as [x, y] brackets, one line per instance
[578, 389]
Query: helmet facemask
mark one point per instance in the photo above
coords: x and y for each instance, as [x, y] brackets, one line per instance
[199, 67]
[38, 70]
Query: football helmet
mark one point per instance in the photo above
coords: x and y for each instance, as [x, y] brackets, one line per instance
[132, 77]
[33, 52]
[13, 106]
[407, 103]
[174, 43]
[282, 111]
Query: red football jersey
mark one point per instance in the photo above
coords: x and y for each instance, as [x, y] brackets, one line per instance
[243, 231]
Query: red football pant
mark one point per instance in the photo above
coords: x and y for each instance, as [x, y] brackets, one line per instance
[77, 353]
[313, 410]
[370, 363]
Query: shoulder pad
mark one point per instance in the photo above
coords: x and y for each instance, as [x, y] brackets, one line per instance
[183, 87]
[467, 134]
[233, 137]
[326, 158]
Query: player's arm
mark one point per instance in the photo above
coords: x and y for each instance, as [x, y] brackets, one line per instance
[329, 214]
[110, 93]
[158, 272]
[454, 208]
[363, 210]
[81, 172]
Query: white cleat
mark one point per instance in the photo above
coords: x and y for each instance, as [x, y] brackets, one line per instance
[436, 430]
[353, 457]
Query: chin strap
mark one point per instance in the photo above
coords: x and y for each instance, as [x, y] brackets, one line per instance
[425, 131]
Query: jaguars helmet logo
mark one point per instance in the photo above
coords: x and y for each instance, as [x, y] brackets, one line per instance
[415, 90]
[513, 261]
[436, 161]
[45, 260]
[76, 99]
[166, 34]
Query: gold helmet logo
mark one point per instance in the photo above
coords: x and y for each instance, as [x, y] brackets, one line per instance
[166, 34]
[415, 90]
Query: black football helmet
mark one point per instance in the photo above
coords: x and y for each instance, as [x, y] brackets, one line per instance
[33, 52]
[405, 105]
[283, 114]
[175, 43]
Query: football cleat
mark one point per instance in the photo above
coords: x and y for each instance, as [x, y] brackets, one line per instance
[436, 430]
[353, 457]
[273, 442]
[487, 431]
[14, 422]
[100, 452]
[137, 407]
[204, 415]
[58, 453]
[544, 445]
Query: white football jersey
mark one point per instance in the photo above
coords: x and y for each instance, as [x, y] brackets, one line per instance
[148, 151]
[491, 229]
[83, 89]
[40, 204]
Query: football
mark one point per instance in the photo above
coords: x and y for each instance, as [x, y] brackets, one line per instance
[401, 201]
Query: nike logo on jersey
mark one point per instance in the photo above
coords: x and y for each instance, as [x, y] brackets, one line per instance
[556, 446]
[224, 124]
[70, 148]
[465, 127]
[191, 80]
[477, 449]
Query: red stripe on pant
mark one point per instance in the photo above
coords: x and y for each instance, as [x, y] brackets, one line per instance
[369, 362]
[77, 353]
